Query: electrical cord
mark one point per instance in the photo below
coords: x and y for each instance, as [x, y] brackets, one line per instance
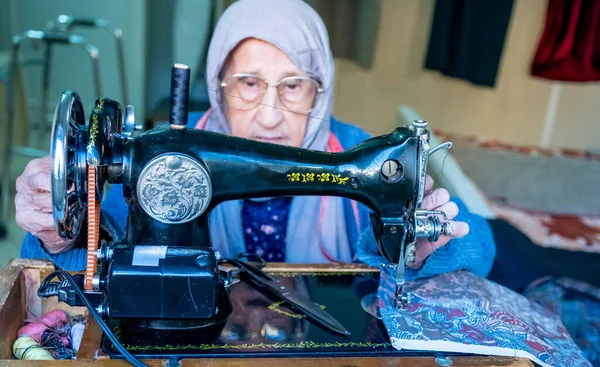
[46, 287]
[49, 289]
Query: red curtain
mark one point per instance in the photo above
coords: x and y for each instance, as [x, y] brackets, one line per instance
[569, 49]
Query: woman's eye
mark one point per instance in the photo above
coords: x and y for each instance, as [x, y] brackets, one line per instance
[249, 82]
[293, 86]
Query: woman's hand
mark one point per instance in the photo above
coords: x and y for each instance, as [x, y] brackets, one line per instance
[34, 205]
[438, 199]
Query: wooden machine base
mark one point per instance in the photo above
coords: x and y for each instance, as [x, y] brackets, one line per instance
[20, 279]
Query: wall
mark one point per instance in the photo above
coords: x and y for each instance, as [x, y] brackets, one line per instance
[177, 33]
[5, 11]
[519, 110]
[159, 50]
[71, 66]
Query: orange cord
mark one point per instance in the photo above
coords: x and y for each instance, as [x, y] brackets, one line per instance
[93, 228]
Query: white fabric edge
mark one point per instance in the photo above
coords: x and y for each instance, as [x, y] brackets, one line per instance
[446, 346]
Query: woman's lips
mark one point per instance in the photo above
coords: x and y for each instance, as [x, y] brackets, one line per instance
[270, 139]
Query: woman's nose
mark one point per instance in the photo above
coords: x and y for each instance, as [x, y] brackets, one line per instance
[270, 113]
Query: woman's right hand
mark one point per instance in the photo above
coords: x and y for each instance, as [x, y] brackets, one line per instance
[34, 205]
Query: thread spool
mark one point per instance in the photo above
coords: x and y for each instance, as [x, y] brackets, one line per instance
[33, 330]
[180, 95]
[54, 317]
[51, 320]
[25, 348]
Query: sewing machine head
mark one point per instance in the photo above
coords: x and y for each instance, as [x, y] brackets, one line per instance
[173, 177]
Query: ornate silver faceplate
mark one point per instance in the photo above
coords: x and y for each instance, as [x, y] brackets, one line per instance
[174, 188]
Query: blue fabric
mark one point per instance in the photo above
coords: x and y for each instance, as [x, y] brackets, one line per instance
[474, 252]
[578, 305]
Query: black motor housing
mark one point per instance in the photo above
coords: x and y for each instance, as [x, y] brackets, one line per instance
[162, 282]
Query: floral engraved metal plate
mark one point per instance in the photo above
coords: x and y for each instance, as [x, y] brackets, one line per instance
[174, 189]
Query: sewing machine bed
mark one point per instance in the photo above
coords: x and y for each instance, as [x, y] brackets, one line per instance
[264, 326]
[245, 336]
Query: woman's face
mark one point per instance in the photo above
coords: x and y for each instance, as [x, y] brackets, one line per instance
[270, 121]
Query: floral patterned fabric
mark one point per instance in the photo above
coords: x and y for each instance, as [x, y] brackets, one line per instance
[461, 312]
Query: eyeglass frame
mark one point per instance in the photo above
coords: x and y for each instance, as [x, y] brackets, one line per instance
[320, 88]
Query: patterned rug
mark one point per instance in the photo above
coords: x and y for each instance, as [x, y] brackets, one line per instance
[567, 232]
[551, 195]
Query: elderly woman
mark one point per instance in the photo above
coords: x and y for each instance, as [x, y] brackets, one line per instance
[270, 73]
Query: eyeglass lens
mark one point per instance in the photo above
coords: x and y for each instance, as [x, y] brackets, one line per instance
[297, 94]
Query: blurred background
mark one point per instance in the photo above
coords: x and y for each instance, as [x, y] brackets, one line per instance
[513, 84]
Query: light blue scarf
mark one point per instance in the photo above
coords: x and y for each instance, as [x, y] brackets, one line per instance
[296, 29]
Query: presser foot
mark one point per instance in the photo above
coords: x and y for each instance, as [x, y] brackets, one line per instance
[402, 299]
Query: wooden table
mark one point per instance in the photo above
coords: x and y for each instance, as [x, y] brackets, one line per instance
[20, 279]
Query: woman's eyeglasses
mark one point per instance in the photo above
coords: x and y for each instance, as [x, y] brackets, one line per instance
[297, 94]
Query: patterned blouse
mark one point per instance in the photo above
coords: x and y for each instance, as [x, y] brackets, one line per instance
[265, 227]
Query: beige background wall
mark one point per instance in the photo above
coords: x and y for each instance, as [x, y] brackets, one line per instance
[520, 109]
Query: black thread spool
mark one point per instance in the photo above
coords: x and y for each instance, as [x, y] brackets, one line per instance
[180, 95]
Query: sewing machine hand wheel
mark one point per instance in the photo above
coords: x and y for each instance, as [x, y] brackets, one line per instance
[68, 171]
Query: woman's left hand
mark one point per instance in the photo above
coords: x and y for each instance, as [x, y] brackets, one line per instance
[438, 199]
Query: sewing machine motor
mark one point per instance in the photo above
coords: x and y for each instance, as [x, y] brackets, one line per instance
[164, 274]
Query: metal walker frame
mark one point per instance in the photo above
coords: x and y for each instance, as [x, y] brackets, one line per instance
[59, 33]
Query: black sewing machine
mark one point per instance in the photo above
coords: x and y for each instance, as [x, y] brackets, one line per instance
[165, 274]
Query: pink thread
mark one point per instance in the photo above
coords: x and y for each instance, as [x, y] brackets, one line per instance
[55, 319]
[33, 330]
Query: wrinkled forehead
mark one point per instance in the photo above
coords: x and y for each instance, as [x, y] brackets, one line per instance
[253, 55]
[290, 25]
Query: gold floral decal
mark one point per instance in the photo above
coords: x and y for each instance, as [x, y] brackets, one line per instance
[290, 274]
[275, 307]
[300, 345]
[321, 177]
[94, 128]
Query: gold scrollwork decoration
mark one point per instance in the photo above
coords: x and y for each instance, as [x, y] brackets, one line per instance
[243, 346]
